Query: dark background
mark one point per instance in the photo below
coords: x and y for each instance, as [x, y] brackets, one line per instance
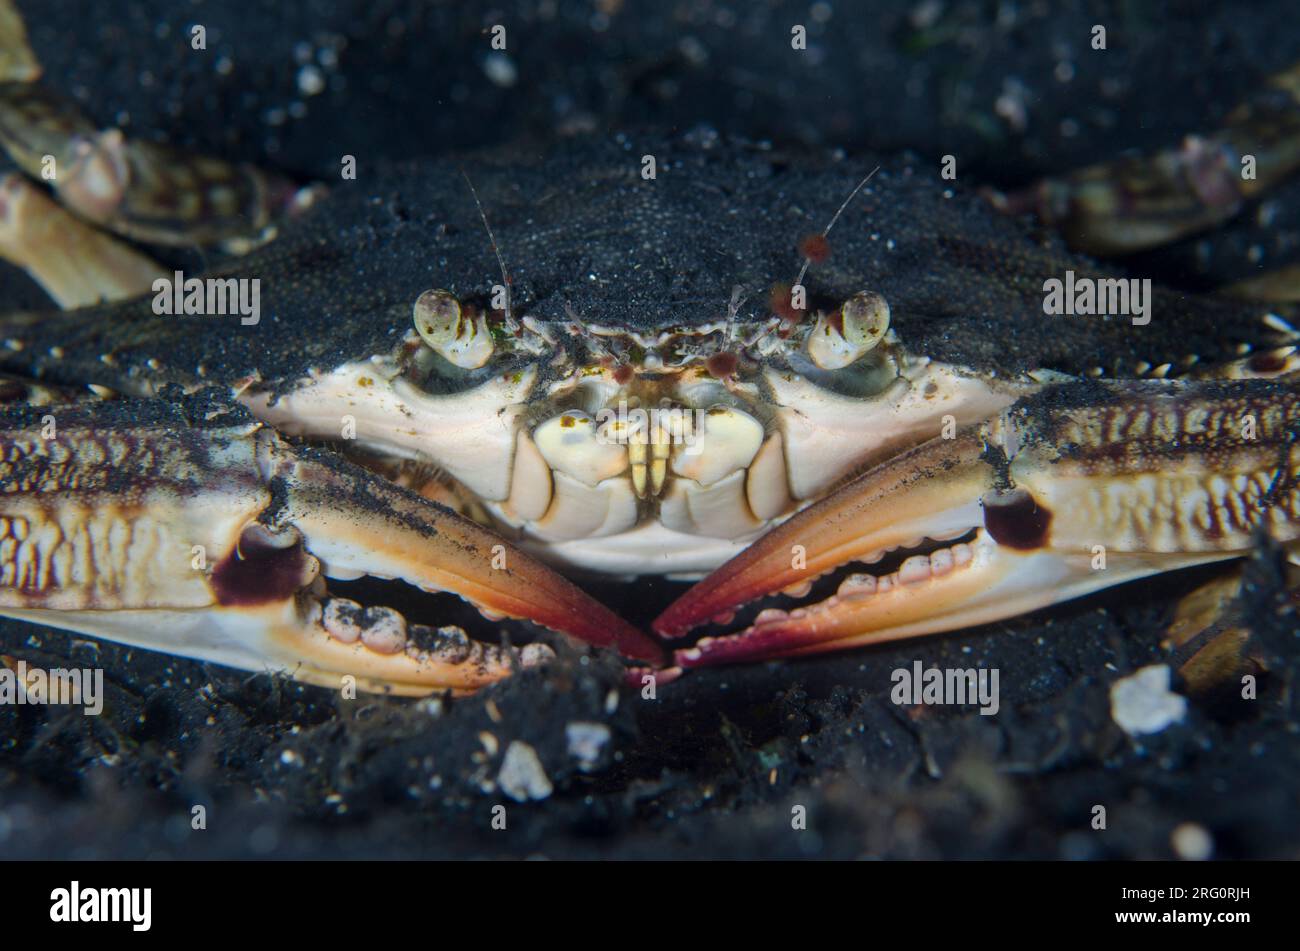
[411, 77]
[714, 766]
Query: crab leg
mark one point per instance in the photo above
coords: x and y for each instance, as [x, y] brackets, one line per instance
[76, 264]
[135, 188]
[1068, 492]
[204, 534]
[1139, 202]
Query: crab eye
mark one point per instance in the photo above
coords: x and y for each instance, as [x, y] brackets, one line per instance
[462, 339]
[842, 338]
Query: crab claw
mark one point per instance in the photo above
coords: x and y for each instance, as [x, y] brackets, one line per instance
[213, 539]
[1072, 490]
[356, 521]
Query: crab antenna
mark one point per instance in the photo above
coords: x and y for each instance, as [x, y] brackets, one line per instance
[511, 326]
[836, 217]
[738, 297]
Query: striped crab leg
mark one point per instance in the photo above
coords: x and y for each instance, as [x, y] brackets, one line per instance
[135, 188]
[207, 535]
[1143, 201]
[1072, 490]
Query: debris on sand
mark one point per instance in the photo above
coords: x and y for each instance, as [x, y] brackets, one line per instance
[522, 777]
[1142, 703]
[586, 741]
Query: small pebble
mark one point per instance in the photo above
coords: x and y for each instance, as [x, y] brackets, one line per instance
[311, 81]
[1142, 703]
[1192, 842]
[586, 741]
[522, 777]
[500, 68]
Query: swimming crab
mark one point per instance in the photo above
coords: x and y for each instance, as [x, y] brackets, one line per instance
[482, 376]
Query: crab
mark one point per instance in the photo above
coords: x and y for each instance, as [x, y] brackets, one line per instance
[493, 375]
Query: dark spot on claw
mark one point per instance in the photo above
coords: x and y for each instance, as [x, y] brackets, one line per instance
[1013, 518]
[1267, 363]
[259, 571]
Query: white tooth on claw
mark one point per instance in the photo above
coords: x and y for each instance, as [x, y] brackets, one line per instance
[341, 619]
[941, 562]
[534, 655]
[341, 574]
[800, 590]
[383, 630]
[448, 645]
[857, 586]
[570, 444]
[914, 570]
[767, 486]
[949, 536]
[314, 612]
[728, 441]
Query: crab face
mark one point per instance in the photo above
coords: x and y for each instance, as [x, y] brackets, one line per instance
[643, 379]
[619, 409]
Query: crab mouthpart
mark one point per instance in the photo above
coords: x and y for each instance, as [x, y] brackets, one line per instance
[1011, 516]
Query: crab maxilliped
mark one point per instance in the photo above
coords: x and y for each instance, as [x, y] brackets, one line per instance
[477, 377]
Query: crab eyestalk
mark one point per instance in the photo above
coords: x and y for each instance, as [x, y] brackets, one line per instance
[1070, 491]
[841, 338]
[461, 339]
